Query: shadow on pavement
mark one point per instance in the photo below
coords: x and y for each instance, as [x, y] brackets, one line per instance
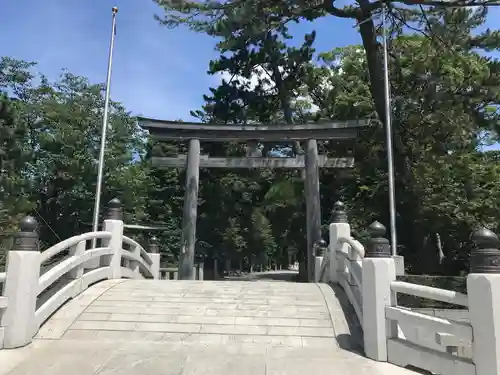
[352, 342]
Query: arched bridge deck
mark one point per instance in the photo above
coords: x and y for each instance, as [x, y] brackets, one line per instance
[195, 327]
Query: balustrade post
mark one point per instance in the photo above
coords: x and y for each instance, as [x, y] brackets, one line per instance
[200, 265]
[338, 228]
[378, 273]
[483, 290]
[114, 224]
[133, 265]
[78, 249]
[201, 271]
[216, 266]
[320, 251]
[154, 255]
[21, 286]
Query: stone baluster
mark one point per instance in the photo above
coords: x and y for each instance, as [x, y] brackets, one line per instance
[378, 273]
[21, 286]
[216, 265]
[134, 264]
[320, 250]
[200, 266]
[78, 249]
[154, 254]
[170, 260]
[114, 224]
[483, 290]
[338, 228]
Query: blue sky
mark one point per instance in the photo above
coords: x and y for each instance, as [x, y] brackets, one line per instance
[157, 72]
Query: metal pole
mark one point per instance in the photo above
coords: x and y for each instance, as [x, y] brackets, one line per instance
[388, 134]
[95, 222]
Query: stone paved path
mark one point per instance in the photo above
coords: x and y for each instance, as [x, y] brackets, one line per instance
[281, 275]
[190, 328]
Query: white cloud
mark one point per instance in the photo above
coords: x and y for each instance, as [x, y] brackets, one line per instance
[260, 74]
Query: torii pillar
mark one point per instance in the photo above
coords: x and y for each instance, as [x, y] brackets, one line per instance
[313, 203]
[190, 212]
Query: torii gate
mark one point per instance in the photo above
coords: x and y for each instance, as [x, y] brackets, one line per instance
[164, 130]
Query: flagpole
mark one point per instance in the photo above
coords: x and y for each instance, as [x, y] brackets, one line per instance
[95, 222]
[388, 134]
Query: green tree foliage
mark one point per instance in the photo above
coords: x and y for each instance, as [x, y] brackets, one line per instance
[13, 155]
[14, 150]
[219, 18]
[444, 107]
[445, 103]
[165, 199]
[266, 77]
[50, 134]
[445, 100]
[67, 138]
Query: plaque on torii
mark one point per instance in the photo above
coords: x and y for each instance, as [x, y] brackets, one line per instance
[251, 134]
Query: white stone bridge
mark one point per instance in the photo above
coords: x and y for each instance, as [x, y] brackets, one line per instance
[106, 310]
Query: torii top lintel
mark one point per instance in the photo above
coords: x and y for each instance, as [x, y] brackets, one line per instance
[176, 130]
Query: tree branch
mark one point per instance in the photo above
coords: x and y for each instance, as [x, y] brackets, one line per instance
[346, 12]
[438, 3]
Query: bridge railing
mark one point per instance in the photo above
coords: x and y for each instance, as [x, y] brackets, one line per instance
[402, 336]
[418, 333]
[409, 338]
[343, 263]
[172, 273]
[169, 273]
[37, 283]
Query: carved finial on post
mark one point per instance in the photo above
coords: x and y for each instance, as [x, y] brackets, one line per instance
[154, 248]
[339, 213]
[485, 257]
[321, 247]
[27, 238]
[378, 246]
[114, 209]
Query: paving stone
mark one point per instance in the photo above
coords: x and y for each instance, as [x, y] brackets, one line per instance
[143, 363]
[300, 366]
[281, 351]
[79, 335]
[59, 361]
[326, 323]
[112, 309]
[291, 322]
[175, 310]
[224, 364]
[301, 331]
[95, 316]
[269, 341]
[159, 318]
[204, 319]
[54, 328]
[233, 329]
[99, 325]
[319, 342]
[168, 327]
